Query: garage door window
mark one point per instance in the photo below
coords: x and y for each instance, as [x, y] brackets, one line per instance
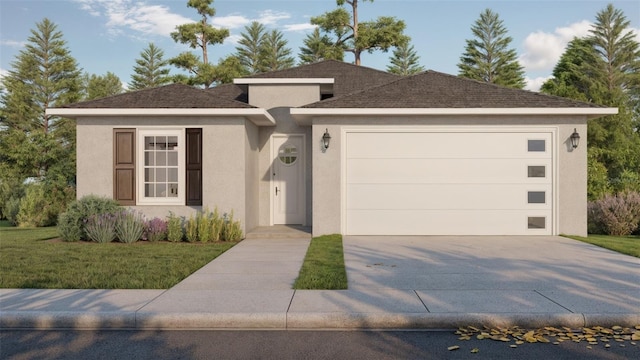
[536, 146]
[537, 222]
[536, 197]
[536, 171]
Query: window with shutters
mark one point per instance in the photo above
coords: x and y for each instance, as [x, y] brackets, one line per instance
[158, 166]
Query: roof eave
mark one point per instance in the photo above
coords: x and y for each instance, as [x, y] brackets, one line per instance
[303, 116]
[260, 117]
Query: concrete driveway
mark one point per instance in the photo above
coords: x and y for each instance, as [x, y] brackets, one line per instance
[496, 274]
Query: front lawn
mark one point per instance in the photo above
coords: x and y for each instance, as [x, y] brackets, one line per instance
[31, 260]
[323, 267]
[629, 245]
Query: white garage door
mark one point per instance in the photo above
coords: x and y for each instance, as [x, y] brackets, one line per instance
[448, 183]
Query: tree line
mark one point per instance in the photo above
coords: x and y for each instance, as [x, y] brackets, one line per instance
[37, 151]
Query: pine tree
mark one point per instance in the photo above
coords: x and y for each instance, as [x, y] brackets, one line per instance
[352, 35]
[487, 57]
[199, 35]
[99, 86]
[150, 70]
[249, 46]
[405, 61]
[274, 53]
[319, 47]
[32, 143]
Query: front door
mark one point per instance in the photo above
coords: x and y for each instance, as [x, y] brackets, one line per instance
[287, 179]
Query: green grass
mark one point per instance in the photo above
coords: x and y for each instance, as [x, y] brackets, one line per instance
[29, 261]
[323, 267]
[4, 223]
[629, 245]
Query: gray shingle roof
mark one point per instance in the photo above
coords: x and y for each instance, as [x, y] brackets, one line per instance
[168, 96]
[432, 89]
[347, 77]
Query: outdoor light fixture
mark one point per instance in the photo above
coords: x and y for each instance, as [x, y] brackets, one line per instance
[326, 139]
[575, 138]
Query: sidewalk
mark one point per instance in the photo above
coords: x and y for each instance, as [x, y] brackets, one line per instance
[249, 287]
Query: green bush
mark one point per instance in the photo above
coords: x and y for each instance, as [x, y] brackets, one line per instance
[191, 229]
[203, 220]
[71, 224]
[216, 225]
[129, 226]
[174, 228]
[34, 210]
[231, 230]
[101, 228]
[11, 210]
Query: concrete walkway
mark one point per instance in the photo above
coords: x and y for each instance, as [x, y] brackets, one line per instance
[394, 283]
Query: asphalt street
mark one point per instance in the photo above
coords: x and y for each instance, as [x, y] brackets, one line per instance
[285, 345]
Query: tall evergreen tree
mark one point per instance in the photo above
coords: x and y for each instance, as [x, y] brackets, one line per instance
[405, 61]
[352, 35]
[319, 47]
[274, 53]
[150, 70]
[199, 35]
[32, 143]
[487, 57]
[99, 86]
[249, 46]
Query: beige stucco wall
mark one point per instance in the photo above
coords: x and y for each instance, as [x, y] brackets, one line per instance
[571, 164]
[278, 99]
[229, 162]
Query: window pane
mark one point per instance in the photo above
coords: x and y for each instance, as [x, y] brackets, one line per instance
[149, 143]
[173, 174]
[148, 158]
[149, 190]
[161, 175]
[536, 145]
[161, 190]
[161, 158]
[173, 143]
[148, 175]
[537, 171]
[172, 158]
[161, 142]
[536, 222]
[536, 197]
[173, 190]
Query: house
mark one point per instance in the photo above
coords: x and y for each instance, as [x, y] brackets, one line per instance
[344, 149]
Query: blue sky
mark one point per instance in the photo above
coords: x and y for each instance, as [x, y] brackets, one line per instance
[108, 35]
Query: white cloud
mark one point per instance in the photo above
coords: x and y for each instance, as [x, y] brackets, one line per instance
[123, 15]
[536, 83]
[299, 27]
[542, 50]
[230, 21]
[269, 18]
[3, 73]
[13, 43]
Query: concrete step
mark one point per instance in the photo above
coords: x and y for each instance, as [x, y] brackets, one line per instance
[280, 232]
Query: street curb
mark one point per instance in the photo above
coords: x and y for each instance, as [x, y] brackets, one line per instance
[301, 321]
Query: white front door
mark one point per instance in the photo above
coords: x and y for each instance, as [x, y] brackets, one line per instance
[288, 179]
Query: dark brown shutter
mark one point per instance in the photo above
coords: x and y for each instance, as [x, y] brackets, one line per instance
[194, 167]
[124, 166]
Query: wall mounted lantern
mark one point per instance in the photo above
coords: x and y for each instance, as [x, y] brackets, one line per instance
[575, 138]
[326, 139]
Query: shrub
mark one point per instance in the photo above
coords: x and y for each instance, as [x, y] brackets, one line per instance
[101, 228]
[203, 219]
[231, 230]
[615, 214]
[33, 206]
[129, 226]
[155, 230]
[174, 228]
[216, 225]
[71, 223]
[11, 210]
[191, 229]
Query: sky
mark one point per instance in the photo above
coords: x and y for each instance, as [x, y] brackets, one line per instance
[109, 35]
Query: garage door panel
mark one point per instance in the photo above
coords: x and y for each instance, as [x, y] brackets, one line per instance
[441, 222]
[444, 145]
[407, 171]
[444, 196]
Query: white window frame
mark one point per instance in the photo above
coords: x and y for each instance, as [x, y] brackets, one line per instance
[141, 198]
